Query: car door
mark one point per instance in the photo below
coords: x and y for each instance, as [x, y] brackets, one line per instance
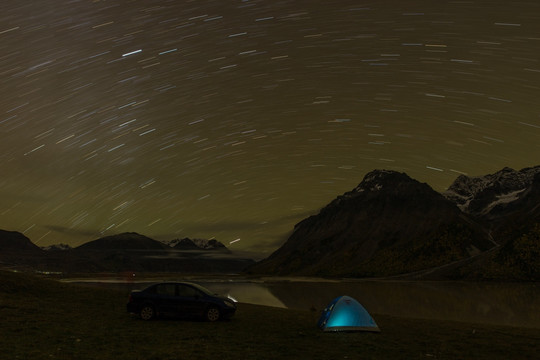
[190, 301]
[165, 299]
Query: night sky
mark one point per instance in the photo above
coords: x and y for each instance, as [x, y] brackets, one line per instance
[237, 119]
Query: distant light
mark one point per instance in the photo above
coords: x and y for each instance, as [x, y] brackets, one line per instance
[232, 242]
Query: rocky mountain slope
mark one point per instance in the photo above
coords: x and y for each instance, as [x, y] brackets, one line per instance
[513, 218]
[485, 227]
[495, 195]
[389, 224]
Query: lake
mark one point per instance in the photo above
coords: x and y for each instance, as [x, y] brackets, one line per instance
[514, 304]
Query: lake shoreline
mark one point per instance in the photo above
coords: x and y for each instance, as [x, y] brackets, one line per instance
[496, 303]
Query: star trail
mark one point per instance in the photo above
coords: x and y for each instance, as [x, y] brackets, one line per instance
[235, 120]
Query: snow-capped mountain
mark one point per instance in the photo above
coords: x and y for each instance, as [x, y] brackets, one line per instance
[487, 196]
[57, 247]
[195, 244]
[484, 227]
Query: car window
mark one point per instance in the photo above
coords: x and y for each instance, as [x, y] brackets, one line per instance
[203, 289]
[187, 291]
[166, 289]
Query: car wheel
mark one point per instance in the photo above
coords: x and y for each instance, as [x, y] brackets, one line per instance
[147, 312]
[213, 314]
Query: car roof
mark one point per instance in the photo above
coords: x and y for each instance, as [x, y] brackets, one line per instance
[196, 286]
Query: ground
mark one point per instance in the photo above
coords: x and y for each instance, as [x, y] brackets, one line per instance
[47, 320]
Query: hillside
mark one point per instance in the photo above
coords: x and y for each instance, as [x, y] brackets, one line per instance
[389, 224]
[13, 241]
[485, 227]
[16, 250]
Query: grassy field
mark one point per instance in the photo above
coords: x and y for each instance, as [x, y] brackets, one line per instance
[41, 319]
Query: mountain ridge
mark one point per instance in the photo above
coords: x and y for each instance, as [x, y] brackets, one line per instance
[128, 251]
[480, 195]
[391, 224]
[485, 227]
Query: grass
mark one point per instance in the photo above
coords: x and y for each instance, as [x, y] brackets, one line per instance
[42, 319]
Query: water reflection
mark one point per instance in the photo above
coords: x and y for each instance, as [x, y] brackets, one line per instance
[250, 293]
[501, 304]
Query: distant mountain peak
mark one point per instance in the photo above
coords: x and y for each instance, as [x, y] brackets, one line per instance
[208, 244]
[386, 183]
[196, 244]
[57, 247]
[377, 180]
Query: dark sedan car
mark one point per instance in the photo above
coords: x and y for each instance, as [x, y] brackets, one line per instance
[186, 300]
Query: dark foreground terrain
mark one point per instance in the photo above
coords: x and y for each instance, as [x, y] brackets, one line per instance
[42, 319]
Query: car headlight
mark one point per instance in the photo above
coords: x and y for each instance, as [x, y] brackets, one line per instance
[229, 304]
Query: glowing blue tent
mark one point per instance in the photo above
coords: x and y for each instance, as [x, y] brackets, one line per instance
[346, 314]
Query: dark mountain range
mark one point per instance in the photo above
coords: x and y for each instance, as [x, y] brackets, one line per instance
[124, 241]
[485, 227]
[482, 228]
[389, 224]
[119, 253]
